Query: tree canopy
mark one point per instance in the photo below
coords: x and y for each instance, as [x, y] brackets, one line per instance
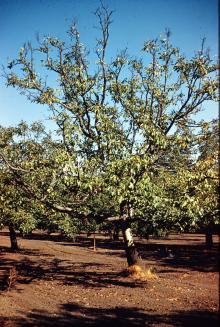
[127, 129]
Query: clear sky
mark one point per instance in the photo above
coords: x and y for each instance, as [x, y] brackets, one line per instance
[134, 22]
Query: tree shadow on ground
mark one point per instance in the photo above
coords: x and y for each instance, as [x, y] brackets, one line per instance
[72, 314]
[86, 274]
[191, 257]
[176, 256]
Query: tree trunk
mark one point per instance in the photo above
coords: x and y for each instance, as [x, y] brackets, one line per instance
[130, 248]
[116, 232]
[208, 240]
[209, 235]
[13, 238]
[94, 242]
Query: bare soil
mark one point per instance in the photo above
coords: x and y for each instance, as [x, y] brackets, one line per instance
[59, 283]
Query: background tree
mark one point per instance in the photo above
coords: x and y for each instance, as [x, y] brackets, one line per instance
[201, 201]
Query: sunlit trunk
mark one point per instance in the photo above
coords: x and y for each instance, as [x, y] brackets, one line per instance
[130, 248]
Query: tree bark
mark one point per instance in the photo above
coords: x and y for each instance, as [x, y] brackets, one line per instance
[13, 238]
[94, 242]
[208, 240]
[116, 232]
[130, 248]
[209, 236]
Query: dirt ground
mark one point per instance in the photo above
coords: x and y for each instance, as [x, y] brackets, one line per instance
[59, 283]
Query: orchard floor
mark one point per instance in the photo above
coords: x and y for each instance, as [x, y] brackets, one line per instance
[62, 283]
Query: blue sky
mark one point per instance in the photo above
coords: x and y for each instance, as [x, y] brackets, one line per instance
[134, 21]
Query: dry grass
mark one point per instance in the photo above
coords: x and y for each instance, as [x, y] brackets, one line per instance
[140, 273]
[12, 278]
